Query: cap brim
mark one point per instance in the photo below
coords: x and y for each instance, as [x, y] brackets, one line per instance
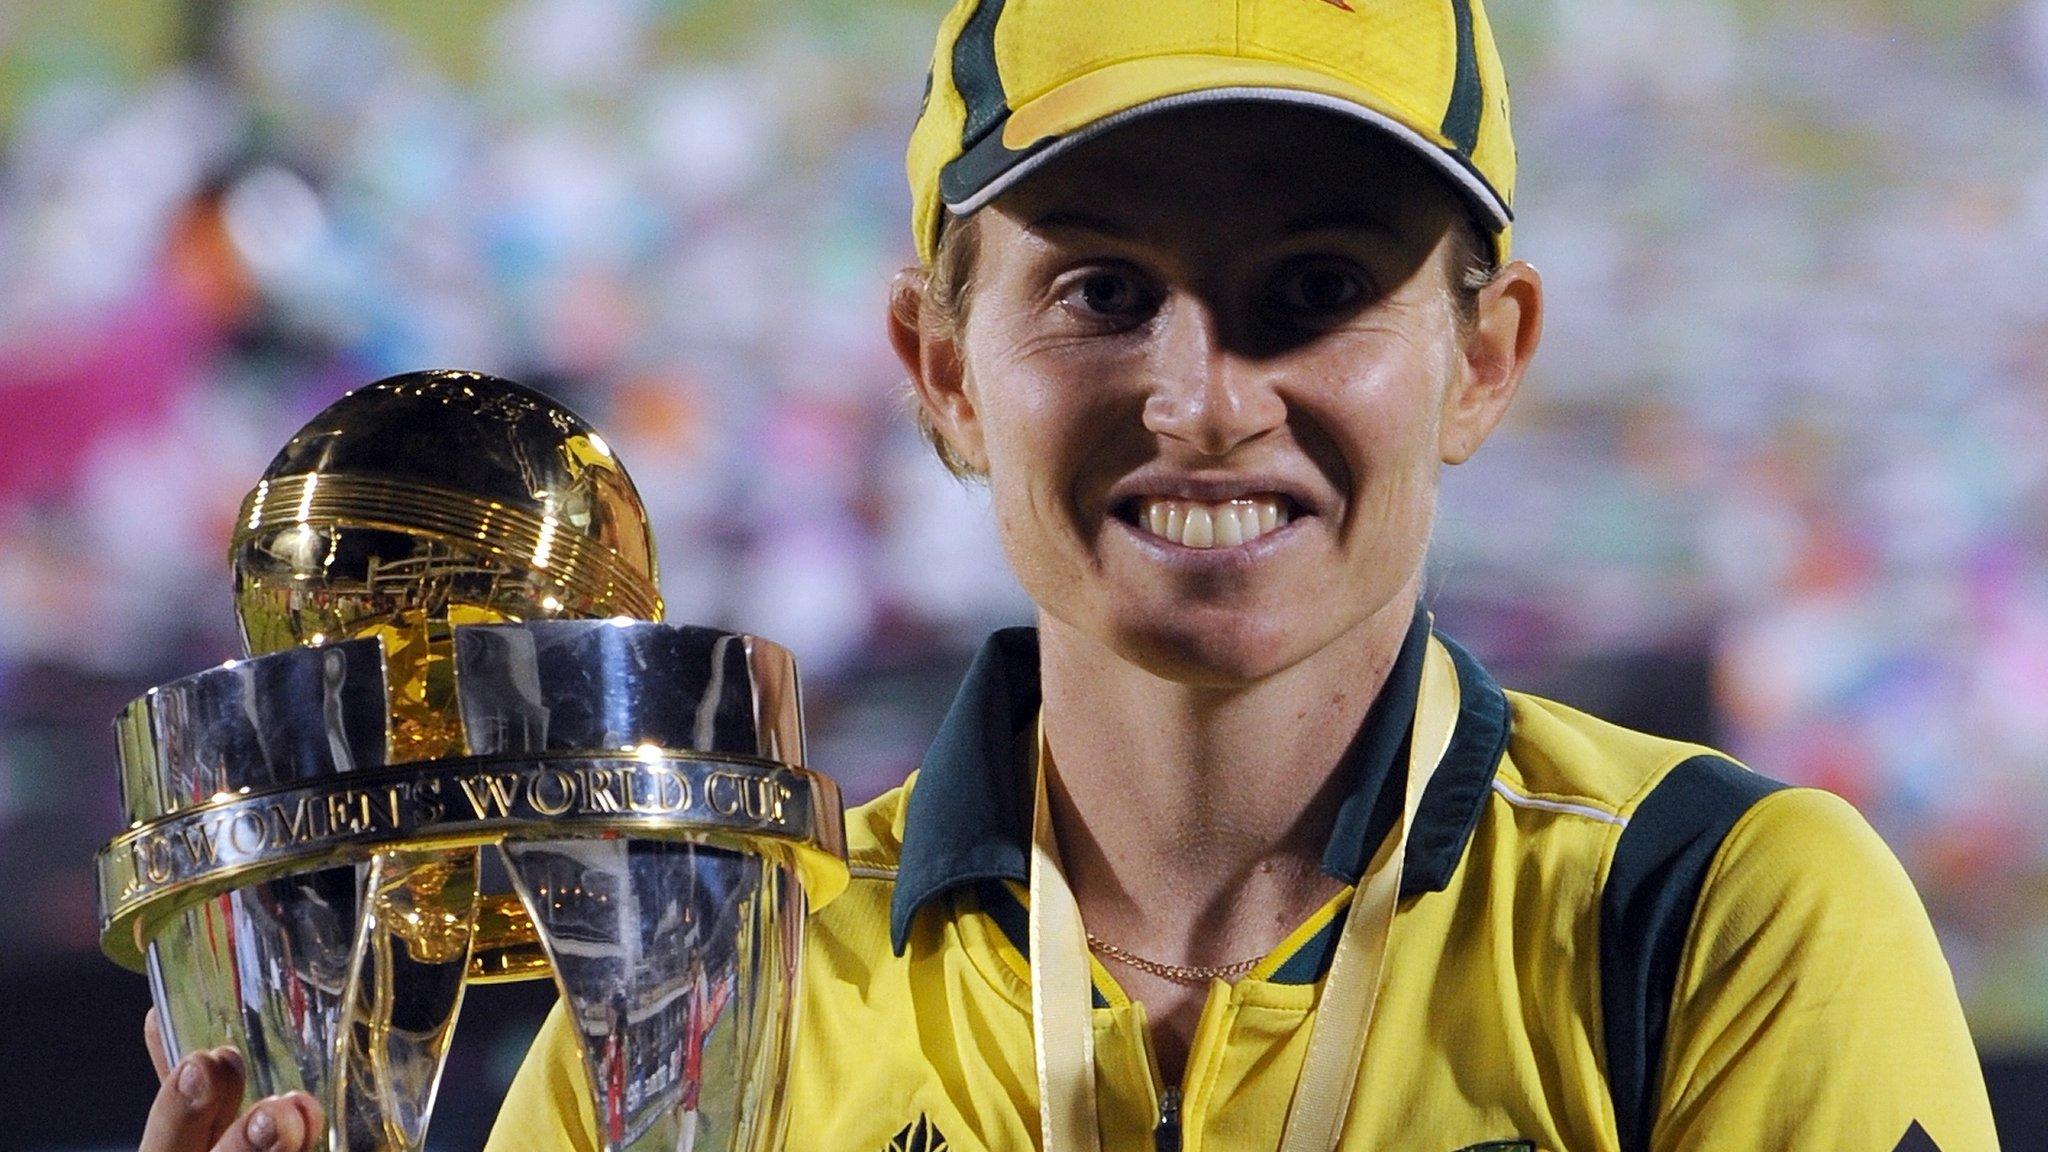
[1098, 102]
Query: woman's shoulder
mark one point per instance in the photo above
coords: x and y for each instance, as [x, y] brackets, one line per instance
[874, 833]
[1560, 754]
[874, 843]
[1663, 799]
[1684, 817]
[1725, 898]
[1674, 830]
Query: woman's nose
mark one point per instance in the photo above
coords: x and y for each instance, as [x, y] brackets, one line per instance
[1205, 394]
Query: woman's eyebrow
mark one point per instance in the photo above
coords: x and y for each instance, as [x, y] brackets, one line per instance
[1340, 220]
[1073, 220]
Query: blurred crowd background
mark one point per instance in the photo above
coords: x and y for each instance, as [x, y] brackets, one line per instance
[1779, 479]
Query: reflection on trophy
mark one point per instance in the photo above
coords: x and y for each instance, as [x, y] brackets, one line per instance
[449, 596]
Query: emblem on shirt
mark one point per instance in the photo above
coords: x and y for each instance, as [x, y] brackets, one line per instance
[920, 1135]
[1916, 1139]
[1500, 1146]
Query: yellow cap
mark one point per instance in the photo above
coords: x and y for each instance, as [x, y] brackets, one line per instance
[1016, 82]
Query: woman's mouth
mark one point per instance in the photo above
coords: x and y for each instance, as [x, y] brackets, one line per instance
[1204, 524]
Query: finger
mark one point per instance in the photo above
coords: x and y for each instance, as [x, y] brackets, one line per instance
[233, 1084]
[153, 1039]
[275, 1124]
[194, 1104]
[316, 1118]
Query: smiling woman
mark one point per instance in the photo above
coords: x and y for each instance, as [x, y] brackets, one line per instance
[1233, 850]
[1212, 364]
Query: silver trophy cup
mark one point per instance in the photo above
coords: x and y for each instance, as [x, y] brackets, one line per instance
[300, 878]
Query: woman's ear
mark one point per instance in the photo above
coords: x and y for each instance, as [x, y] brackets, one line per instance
[932, 358]
[1503, 339]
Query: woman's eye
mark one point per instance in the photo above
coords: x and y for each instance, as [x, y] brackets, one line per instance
[1318, 289]
[1108, 295]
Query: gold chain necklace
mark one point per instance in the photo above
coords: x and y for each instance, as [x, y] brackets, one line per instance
[1186, 974]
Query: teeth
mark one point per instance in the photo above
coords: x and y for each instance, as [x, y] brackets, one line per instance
[1196, 524]
[1229, 529]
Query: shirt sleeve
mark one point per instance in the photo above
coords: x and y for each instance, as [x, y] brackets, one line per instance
[1813, 1008]
[548, 1109]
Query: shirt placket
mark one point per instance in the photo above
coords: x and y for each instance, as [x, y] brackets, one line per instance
[1126, 1080]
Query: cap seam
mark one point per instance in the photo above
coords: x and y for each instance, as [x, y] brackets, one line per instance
[1414, 116]
[1217, 50]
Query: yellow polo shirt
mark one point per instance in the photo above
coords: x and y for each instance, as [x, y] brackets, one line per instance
[1606, 942]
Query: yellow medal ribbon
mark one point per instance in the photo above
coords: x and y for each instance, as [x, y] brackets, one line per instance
[1336, 1040]
[1062, 993]
[1063, 1030]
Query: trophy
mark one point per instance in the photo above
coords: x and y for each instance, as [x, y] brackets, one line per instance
[463, 748]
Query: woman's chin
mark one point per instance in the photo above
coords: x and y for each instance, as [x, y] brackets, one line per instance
[1216, 650]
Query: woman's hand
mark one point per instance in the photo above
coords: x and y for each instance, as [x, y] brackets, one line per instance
[195, 1108]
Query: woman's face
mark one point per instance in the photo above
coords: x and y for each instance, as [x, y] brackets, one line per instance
[1211, 365]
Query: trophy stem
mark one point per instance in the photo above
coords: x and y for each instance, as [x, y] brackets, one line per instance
[646, 939]
[262, 968]
[405, 990]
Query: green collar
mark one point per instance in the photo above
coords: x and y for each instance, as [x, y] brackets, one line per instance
[966, 823]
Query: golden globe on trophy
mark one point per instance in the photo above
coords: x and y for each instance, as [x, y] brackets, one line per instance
[458, 681]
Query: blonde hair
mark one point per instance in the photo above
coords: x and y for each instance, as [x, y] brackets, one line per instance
[943, 291]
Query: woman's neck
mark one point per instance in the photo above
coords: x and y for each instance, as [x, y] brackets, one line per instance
[1192, 820]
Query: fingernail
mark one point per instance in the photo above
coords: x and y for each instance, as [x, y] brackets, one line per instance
[192, 1081]
[309, 1120]
[262, 1129]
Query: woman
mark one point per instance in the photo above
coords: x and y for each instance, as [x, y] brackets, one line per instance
[1209, 293]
